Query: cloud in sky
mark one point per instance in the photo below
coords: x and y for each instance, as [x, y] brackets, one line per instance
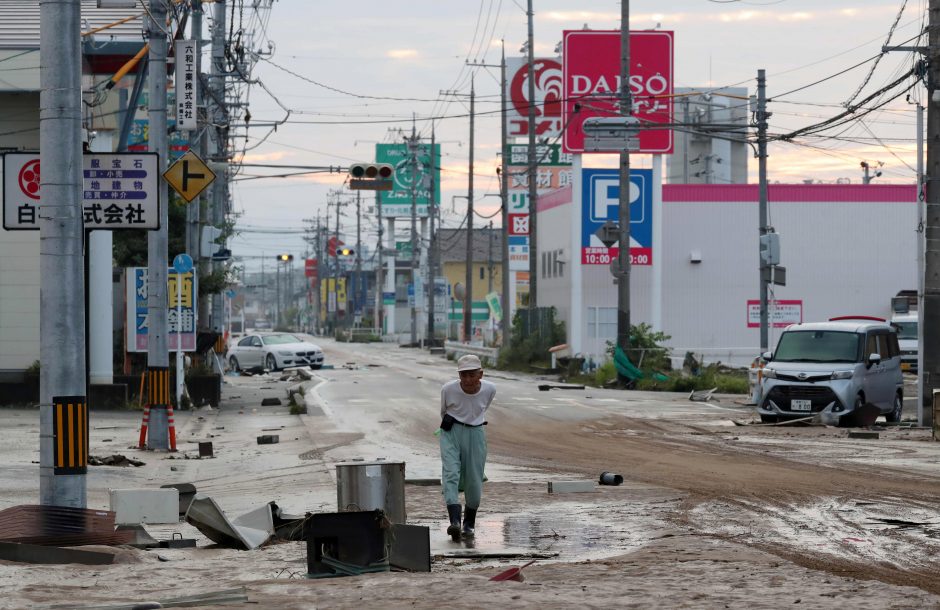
[402, 53]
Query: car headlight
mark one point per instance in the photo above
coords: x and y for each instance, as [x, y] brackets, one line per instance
[842, 375]
[285, 353]
[769, 373]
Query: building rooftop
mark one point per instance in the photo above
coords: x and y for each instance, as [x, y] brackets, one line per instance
[454, 245]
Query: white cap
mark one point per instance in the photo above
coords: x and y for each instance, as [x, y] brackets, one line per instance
[469, 363]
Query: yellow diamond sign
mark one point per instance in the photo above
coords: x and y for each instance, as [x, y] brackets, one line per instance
[189, 176]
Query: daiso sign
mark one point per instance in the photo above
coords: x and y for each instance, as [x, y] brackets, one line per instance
[591, 81]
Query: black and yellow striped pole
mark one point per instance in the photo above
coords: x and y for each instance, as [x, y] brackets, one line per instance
[158, 405]
[69, 435]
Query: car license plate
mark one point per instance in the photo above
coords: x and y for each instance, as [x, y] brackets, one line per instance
[801, 405]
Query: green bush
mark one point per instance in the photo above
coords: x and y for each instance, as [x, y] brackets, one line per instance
[533, 332]
[714, 376]
[605, 373]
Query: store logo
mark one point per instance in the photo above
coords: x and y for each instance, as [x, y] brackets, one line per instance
[29, 179]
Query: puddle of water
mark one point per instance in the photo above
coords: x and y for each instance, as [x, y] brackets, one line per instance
[580, 532]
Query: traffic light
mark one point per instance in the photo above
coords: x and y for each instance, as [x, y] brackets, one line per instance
[371, 176]
[345, 252]
[371, 170]
[285, 258]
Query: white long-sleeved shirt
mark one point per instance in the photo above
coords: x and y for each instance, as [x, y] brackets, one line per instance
[466, 408]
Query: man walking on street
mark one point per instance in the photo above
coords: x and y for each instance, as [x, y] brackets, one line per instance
[464, 403]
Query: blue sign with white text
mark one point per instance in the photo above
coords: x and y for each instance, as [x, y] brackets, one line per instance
[600, 202]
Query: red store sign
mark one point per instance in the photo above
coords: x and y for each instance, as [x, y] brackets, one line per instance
[591, 77]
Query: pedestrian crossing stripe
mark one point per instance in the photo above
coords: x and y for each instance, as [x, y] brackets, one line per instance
[70, 435]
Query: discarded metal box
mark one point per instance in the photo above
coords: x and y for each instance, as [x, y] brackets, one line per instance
[205, 449]
[367, 486]
[410, 548]
[269, 439]
[133, 506]
[345, 544]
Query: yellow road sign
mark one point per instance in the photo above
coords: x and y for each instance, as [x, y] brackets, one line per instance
[189, 176]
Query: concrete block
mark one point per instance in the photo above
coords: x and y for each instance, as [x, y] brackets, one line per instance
[135, 506]
[570, 487]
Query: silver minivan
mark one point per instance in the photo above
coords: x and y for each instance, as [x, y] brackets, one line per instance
[831, 369]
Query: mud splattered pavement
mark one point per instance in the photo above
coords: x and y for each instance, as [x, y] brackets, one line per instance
[710, 514]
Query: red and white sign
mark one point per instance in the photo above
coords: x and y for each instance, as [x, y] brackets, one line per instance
[591, 77]
[781, 313]
[310, 267]
[518, 224]
[547, 96]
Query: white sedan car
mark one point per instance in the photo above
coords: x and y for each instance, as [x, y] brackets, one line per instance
[273, 351]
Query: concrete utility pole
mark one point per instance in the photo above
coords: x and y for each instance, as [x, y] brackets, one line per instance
[413, 149]
[379, 279]
[219, 186]
[533, 170]
[63, 409]
[158, 358]
[432, 242]
[357, 292]
[508, 291]
[930, 347]
[334, 288]
[468, 298]
[623, 258]
[761, 117]
[197, 141]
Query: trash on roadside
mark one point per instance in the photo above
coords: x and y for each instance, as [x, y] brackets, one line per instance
[178, 542]
[205, 449]
[270, 402]
[545, 387]
[287, 527]
[59, 526]
[38, 554]
[862, 417]
[702, 395]
[113, 460]
[863, 434]
[570, 487]
[247, 532]
[269, 439]
[137, 506]
[609, 478]
[513, 573]
[141, 537]
[347, 544]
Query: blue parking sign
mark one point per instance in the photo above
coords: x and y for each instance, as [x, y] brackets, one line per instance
[600, 197]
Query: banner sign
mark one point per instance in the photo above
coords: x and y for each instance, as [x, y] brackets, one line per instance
[518, 253]
[186, 84]
[592, 83]
[782, 313]
[600, 202]
[548, 98]
[397, 202]
[180, 327]
[119, 191]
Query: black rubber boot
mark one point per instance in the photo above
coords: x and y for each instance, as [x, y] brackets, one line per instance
[453, 530]
[469, 521]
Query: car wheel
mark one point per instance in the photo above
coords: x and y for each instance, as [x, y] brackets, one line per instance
[233, 363]
[768, 419]
[895, 415]
[270, 363]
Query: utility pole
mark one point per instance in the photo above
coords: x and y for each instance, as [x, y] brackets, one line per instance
[158, 359]
[413, 149]
[468, 298]
[761, 117]
[930, 346]
[623, 257]
[432, 254]
[197, 140]
[508, 291]
[334, 288]
[533, 167]
[920, 264]
[277, 291]
[357, 292]
[379, 279]
[220, 121]
[62, 341]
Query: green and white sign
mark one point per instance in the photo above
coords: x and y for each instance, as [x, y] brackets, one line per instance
[417, 172]
[496, 309]
[403, 250]
[545, 154]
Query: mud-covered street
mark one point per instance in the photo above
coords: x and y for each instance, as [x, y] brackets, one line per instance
[711, 513]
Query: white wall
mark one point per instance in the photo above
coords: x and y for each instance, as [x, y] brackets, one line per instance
[842, 257]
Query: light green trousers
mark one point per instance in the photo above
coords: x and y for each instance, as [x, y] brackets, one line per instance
[463, 458]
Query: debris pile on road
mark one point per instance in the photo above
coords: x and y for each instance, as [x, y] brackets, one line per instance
[59, 526]
[113, 460]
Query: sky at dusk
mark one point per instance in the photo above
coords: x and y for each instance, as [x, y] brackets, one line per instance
[354, 74]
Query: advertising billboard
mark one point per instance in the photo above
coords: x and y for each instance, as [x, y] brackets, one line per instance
[548, 88]
[397, 202]
[600, 202]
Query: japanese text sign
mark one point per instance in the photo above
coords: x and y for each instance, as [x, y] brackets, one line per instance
[591, 77]
[181, 320]
[186, 84]
[119, 191]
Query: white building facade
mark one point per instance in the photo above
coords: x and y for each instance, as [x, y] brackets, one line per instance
[847, 250]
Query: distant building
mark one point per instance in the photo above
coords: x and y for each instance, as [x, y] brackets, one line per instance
[704, 152]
